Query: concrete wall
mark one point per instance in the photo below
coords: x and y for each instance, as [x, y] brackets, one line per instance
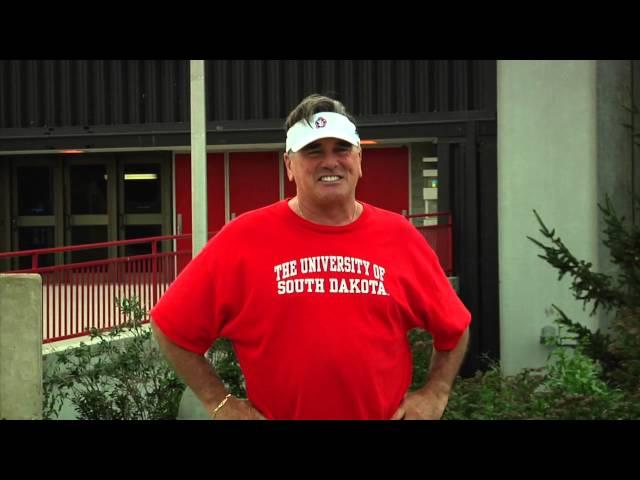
[20, 347]
[561, 145]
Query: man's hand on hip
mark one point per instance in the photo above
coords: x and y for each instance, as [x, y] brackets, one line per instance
[423, 404]
[238, 409]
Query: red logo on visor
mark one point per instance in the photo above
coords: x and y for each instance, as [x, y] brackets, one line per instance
[320, 122]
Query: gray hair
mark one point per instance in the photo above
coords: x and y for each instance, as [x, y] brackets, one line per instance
[313, 104]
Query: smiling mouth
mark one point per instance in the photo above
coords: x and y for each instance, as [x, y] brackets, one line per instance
[330, 178]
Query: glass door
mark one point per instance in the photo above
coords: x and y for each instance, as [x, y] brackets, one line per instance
[145, 199]
[90, 205]
[36, 208]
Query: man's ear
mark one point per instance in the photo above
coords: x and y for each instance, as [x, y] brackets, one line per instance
[360, 163]
[287, 164]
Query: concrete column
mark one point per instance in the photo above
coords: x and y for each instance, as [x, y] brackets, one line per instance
[20, 346]
[560, 148]
[198, 156]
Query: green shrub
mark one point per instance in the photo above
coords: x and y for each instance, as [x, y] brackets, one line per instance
[224, 360]
[421, 348]
[618, 349]
[122, 377]
[568, 387]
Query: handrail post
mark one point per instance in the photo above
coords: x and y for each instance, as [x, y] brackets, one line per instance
[451, 242]
[154, 270]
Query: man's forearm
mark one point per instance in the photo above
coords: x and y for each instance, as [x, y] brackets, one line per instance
[445, 366]
[195, 370]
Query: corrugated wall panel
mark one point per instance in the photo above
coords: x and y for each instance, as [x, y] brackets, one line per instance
[117, 93]
[346, 82]
[257, 89]
[80, 93]
[275, 88]
[49, 87]
[15, 93]
[238, 89]
[64, 106]
[133, 92]
[33, 112]
[404, 92]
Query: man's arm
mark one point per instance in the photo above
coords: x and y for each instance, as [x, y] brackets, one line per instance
[429, 402]
[198, 373]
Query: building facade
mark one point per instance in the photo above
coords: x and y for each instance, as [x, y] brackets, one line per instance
[94, 151]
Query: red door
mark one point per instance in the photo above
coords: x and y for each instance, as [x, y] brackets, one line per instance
[385, 178]
[215, 194]
[253, 181]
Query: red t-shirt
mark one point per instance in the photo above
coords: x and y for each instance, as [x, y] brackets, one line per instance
[318, 315]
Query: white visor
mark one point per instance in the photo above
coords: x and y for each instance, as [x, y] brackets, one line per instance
[323, 125]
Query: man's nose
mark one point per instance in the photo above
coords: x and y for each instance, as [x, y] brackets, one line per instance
[330, 160]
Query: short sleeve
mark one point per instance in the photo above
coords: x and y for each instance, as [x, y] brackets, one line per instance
[432, 299]
[186, 313]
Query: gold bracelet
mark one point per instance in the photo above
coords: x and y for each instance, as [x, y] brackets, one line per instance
[220, 405]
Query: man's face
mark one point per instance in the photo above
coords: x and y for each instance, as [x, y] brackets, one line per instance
[325, 171]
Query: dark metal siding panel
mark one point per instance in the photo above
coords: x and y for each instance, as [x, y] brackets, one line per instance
[4, 94]
[79, 93]
[365, 88]
[238, 87]
[489, 81]
[442, 76]
[460, 81]
[182, 90]
[48, 88]
[256, 89]
[404, 90]
[309, 77]
[65, 103]
[97, 90]
[116, 100]
[346, 85]
[217, 94]
[423, 86]
[32, 94]
[384, 92]
[133, 92]
[275, 97]
[292, 85]
[167, 92]
[328, 78]
[149, 92]
[15, 93]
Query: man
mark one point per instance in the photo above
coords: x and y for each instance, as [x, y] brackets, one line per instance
[317, 294]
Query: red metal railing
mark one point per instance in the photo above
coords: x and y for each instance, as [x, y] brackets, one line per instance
[79, 296]
[439, 235]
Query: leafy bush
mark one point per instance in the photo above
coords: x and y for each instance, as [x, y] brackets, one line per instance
[122, 377]
[421, 348]
[568, 387]
[617, 350]
[588, 375]
[224, 360]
